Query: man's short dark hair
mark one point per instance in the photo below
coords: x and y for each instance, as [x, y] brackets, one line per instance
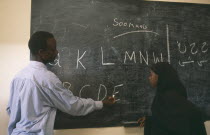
[39, 41]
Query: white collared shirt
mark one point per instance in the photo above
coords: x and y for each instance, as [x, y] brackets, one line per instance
[35, 95]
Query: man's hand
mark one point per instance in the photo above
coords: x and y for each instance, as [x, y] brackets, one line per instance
[109, 102]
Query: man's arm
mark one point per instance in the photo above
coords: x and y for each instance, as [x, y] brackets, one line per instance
[64, 100]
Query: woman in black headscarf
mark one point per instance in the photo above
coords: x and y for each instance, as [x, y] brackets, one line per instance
[172, 113]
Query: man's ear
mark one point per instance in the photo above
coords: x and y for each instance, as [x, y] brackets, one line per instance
[41, 53]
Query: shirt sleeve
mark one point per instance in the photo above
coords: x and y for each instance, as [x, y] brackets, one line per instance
[8, 110]
[64, 100]
[10, 98]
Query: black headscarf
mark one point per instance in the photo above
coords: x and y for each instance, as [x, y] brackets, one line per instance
[172, 113]
[168, 78]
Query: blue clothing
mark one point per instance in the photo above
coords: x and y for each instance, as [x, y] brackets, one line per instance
[35, 95]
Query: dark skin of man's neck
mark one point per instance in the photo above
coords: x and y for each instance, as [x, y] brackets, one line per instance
[37, 58]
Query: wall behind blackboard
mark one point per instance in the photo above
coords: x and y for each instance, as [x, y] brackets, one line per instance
[106, 46]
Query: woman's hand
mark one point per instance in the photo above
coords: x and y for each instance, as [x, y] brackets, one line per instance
[141, 121]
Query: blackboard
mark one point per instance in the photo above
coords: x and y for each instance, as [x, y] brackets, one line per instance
[106, 46]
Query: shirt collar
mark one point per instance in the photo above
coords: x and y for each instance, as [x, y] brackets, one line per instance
[37, 64]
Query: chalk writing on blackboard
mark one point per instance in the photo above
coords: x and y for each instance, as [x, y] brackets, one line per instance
[56, 61]
[115, 91]
[118, 23]
[193, 49]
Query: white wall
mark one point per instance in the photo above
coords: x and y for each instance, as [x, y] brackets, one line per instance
[14, 55]
[14, 33]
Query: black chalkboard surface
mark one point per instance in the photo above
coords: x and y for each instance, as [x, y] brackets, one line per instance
[106, 46]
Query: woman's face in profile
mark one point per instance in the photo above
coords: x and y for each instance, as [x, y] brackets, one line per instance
[153, 79]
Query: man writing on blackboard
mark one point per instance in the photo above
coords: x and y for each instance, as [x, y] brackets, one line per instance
[36, 93]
